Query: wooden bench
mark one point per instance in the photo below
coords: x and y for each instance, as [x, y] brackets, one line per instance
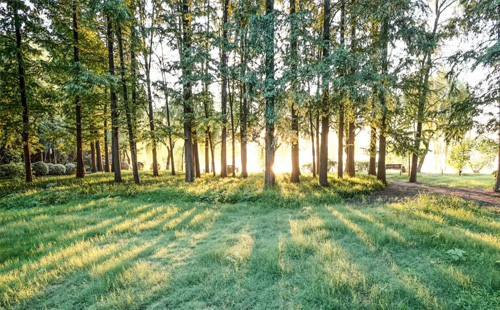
[399, 167]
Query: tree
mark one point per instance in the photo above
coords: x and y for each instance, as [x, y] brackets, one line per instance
[224, 86]
[483, 154]
[269, 93]
[460, 155]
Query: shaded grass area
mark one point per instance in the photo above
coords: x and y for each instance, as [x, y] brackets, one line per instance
[174, 251]
[482, 181]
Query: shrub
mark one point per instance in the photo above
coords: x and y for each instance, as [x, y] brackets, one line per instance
[51, 168]
[40, 168]
[159, 167]
[70, 168]
[12, 170]
[59, 169]
[124, 165]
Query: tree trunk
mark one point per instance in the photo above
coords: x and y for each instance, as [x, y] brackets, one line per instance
[325, 116]
[351, 164]
[93, 160]
[98, 155]
[295, 176]
[80, 167]
[128, 112]
[22, 90]
[384, 36]
[312, 144]
[372, 168]
[223, 170]
[233, 141]
[496, 187]
[270, 115]
[106, 150]
[243, 109]
[422, 158]
[187, 91]
[340, 163]
[317, 142]
[170, 142]
[196, 155]
[115, 138]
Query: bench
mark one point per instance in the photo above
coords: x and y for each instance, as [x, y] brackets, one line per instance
[399, 167]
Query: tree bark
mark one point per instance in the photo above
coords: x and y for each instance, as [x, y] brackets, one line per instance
[223, 170]
[340, 163]
[106, 150]
[317, 141]
[243, 109]
[270, 115]
[384, 37]
[93, 159]
[325, 116]
[312, 144]
[233, 131]
[295, 176]
[187, 91]
[128, 112]
[98, 155]
[115, 138]
[80, 167]
[372, 168]
[24, 99]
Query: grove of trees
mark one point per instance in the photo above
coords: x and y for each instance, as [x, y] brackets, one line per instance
[95, 79]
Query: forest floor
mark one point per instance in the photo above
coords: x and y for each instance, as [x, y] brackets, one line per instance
[229, 244]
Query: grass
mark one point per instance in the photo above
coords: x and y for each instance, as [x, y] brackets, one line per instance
[482, 181]
[228, 244]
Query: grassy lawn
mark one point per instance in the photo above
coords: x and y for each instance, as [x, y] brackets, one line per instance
[218, 244]
[483, 181]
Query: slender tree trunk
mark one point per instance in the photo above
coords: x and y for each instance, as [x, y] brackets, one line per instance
[384, 36]
[128, 112]
[98, 155]
[351, 166]
[340, 164]
[270, 115]
[22, 90]
[93, 159]
[372, 168]
[80, 167]
[317, 142]
[196, 155]
[295, 176]
[206, 152]
[223, 171]
[187, 91]
[115, 138]
[106, 149]
[496, 187]
[233, 141]
[170, 142]
[312, 144]
[351, 127]
[244, 108]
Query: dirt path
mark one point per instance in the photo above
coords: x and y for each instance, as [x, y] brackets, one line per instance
[398, 190]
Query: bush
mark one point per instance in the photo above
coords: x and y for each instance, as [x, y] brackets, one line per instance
[40, 168]
[59, 169]
[70, 168]
[159, 167]
[12, 170]
[124, 165]
[51, 168]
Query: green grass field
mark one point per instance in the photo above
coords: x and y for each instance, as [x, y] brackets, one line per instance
[229, 244]
[482, 181]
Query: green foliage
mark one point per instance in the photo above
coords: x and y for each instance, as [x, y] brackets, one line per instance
[456, 255]
[484, 153]
[58, 169]
[40, 168]
[70, 168]
[460, 154]
[12, 170]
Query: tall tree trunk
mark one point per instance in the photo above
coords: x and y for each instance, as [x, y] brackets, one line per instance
[128, 112]
[243, 108]
[340, 164]
[106, 150]
[196, 155]
[317, 141]
[22, 90]
[312, 144]
[93, 160]
[372, 167]
[148, 54]
[270, 115]
[80, 167]
[223, 171]
[233, 131]
[187, 91]
[115, 138]
[170, 142]
[351, 164]
[496, 187]
[98, 155]
[384, 38]
[325, 115]
[422, 158]
[295, 176]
